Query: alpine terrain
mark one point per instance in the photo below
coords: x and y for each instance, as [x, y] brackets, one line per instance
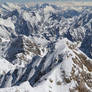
[45, 48]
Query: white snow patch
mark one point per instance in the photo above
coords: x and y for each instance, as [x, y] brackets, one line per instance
[7, 23]
[49, 9]
[5, 66]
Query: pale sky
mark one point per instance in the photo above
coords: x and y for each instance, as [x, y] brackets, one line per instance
[2, 1]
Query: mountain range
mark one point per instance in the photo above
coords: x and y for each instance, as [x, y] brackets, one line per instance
[45, 48]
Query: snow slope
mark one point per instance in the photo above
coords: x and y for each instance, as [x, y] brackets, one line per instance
[5, 66]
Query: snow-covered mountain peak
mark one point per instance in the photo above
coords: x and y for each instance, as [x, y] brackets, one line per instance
[49, 9]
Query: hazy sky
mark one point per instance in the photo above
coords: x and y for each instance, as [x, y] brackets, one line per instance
[2, 1]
